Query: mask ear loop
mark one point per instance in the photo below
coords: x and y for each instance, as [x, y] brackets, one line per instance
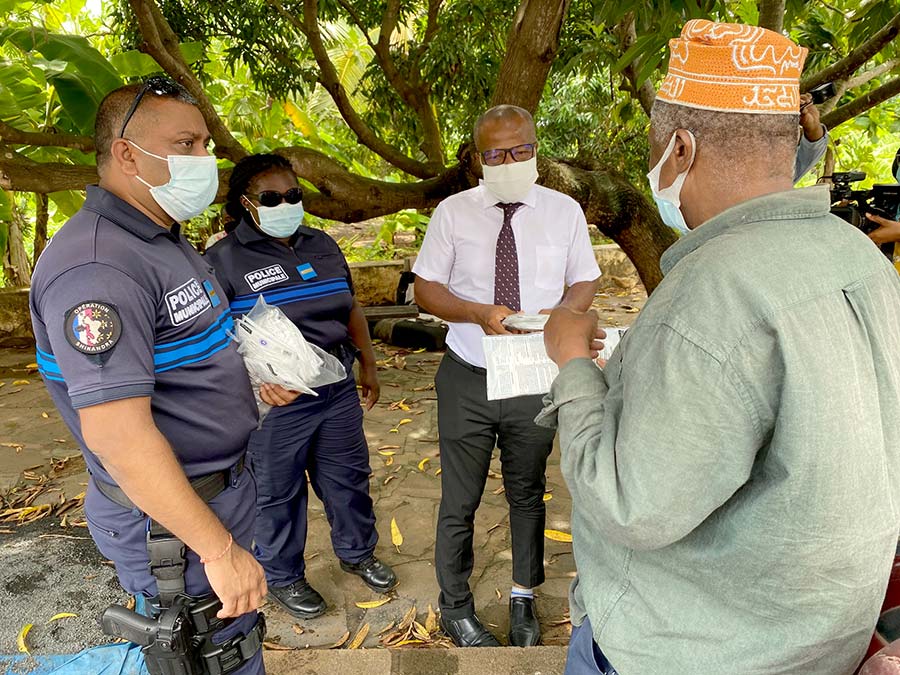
[677, 184]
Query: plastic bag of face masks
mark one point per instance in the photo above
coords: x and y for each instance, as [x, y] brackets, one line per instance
[275, 352]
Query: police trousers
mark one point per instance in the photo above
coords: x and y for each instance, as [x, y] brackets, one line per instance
[322, 436]
[469, 427]
[121, 535]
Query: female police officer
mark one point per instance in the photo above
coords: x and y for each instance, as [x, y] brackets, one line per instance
[302, 271]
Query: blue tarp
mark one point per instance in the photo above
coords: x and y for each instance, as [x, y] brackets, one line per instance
[117, 659]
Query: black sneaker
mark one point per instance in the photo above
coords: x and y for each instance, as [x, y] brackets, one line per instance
[299, 599]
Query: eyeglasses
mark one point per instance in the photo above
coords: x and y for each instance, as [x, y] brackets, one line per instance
[497, 156]
[274, 198]
[159, 85]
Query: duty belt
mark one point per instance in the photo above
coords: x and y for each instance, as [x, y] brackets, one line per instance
[165, 550]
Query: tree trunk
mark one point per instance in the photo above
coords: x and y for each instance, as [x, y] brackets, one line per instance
[40, 226]
[16, 266]
[530, 49]
[771, 14]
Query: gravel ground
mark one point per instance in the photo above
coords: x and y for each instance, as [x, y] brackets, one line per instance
[36, 562]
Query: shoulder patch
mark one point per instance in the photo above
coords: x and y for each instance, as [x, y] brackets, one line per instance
[93, 327]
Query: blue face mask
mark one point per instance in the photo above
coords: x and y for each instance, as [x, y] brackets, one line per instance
[192, 186]
[668, 200]
[280, 221]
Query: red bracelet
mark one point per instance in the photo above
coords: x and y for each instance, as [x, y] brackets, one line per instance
[222, 554]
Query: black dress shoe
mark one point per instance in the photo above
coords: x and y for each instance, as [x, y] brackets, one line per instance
[299, 599]
[524, 629]
[378, 576]
[468, 632]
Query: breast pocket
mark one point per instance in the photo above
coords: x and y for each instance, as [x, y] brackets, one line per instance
[550, 267]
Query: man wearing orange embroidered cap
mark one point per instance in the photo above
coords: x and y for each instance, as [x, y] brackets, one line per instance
[735, 465]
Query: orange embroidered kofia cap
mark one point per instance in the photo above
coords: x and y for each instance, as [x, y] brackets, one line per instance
[732, 67]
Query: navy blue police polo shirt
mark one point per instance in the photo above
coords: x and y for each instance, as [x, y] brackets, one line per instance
[124, 308]
[309, 279]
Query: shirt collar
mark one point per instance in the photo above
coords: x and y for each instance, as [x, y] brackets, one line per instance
[811, 202]
[117, 210]
[488, 200]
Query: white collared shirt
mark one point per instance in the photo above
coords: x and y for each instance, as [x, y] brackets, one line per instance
[552, 244]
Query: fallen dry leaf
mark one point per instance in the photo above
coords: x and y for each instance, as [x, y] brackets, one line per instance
[45, 415]
[438, 472]
[431, 622]
[62, 615]
[388, 460]
[404, 421]
[500, 490]
[276, 647]
[357, 641]
[547, 496]
[389, 479]
[423, 462]
[388, 447]
[372, 604]
[499, 594]
[396, 535]
[18, 383]
[341, 640]
[298, 629]
[21, 640]
[387, 453]
[556, 535]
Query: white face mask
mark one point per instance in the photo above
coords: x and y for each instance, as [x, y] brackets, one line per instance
[279, 221]
[668, 201]
[193, 183]
[511, 182]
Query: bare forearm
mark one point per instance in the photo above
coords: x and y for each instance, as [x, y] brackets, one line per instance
[358, 328]
[142, 463]
[580, 296]
[437, 299]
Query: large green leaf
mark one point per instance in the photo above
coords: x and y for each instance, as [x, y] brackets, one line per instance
[67, 202]
[19, 91]
[134, 63]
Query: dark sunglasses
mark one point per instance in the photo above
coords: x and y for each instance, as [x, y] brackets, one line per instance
[274, 198]
[157, 85]
[497, 156]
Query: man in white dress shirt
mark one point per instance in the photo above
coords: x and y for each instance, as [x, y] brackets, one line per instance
[503, 247]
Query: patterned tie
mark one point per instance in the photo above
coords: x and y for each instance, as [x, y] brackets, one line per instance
[506, 262]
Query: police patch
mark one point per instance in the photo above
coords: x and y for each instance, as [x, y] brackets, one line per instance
[93, 327]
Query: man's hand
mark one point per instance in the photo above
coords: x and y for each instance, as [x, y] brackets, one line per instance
[572, 335]
[276, 395]
[809, 119]
[238, 581]
[888, 230]
[490, 318]
[368, 381]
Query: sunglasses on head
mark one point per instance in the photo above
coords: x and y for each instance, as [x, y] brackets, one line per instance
[157, 85]
[274, 198]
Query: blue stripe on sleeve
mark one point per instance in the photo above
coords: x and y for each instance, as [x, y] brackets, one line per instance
[215, 339]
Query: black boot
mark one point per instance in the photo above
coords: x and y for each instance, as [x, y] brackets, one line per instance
[378, 576]
[299, 599]
[524, 629]
[468, 632]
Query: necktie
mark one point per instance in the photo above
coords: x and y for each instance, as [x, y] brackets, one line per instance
[506, 262]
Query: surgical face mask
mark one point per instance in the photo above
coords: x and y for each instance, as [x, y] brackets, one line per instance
[668, 201]
[193, 183]
[511, 182]
[279, 221]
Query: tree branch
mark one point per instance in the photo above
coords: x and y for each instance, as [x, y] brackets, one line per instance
[42, 215]
[13, 136]
[646, 93]
[843, 86]
[771, 14]
[329, 79]
[859, 105]
[161, 43]
[531, 46]
[856, 58]
[413, 90]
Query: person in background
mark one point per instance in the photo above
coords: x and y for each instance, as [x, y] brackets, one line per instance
[813, 139]
[734, 500]
[888, 230]
[301, 270]
[503, 247]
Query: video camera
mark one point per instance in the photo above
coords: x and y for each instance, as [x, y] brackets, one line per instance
[853, 205]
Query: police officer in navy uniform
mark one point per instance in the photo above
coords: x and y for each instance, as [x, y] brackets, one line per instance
[131, 329]
[302, 271]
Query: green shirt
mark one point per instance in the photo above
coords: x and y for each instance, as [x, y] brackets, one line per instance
[735, 467]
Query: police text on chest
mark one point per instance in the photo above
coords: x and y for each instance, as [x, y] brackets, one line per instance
[186, 302]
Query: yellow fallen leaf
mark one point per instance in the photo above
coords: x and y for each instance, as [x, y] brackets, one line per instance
[419, 351]
[20, 382]
[423, 463]
[396, 535]
[276, 647]
[389, 479]
[393, 431]
[388, 461]
[499, 594]
[403, 421]
[372, 604]
[431, 622]
[32, 366]
[556, 535]
[23, 634]
[387, 453]
[62, 615]
[388, 447]
[547, 496]
[45, 415]
[403, 643]
[298, 629]
[438, 472]
[360, 637]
